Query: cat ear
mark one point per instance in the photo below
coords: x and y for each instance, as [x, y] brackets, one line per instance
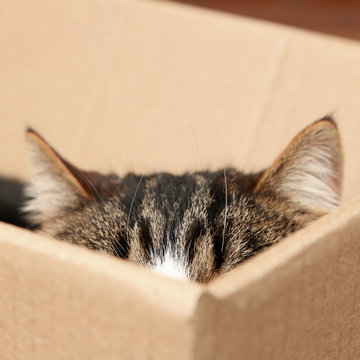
[54, 182]
[309, 171]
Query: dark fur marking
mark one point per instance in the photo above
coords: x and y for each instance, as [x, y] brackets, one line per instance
[145, 237]
[197, 229]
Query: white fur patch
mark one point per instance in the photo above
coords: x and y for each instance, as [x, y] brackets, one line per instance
[312, 177]
[171, 267]
[47, 195]
[48, 190]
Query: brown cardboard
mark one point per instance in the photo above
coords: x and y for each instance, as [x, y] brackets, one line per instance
[304, 290]
[142, 85]
[61, 302]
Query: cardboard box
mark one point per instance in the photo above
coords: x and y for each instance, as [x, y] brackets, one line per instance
[142, 85]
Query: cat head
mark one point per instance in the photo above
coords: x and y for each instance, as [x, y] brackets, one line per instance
[197, 225]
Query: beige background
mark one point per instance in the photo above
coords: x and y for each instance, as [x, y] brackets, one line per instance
[120, 86]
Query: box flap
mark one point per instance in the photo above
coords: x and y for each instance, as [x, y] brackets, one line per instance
[297, 300]
[60, 301]
[208, 88]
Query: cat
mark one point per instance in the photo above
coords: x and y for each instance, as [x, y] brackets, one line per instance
[196, 226]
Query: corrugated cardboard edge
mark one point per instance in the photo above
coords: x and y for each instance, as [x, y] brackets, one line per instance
[298, 299]
[212, 314]
[61, 301]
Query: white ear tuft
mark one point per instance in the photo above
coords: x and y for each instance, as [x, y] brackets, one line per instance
[309, 171]
[52, 185]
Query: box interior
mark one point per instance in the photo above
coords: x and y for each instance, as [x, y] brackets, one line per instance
[146, 86]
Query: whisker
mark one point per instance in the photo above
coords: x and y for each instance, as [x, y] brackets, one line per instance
[137, 188]
[94, 190]
[226, 210]
[131, 206]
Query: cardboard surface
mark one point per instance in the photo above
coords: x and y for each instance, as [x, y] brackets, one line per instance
[97, 78]
[122, 85]
[305, 290]
[63, 302]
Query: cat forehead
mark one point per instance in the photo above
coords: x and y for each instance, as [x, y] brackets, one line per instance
[164, 179]
[163, 190]
[187, 182]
